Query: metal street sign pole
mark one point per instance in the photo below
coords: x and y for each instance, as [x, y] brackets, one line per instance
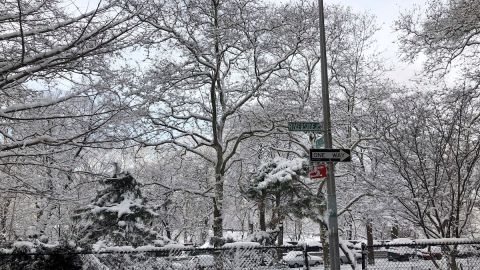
[331, 196]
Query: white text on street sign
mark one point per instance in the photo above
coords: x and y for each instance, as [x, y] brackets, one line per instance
[336, 155]
[305, 126]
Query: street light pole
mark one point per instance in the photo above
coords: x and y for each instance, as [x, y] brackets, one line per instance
[331, 195]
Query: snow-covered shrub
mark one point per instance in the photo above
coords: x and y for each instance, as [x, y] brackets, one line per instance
[263, 237]
[33, 255]
[118, 216]
[281, 186]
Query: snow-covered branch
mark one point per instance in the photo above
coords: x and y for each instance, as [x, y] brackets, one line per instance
[39, 104]
[206, 193]
[352, 202]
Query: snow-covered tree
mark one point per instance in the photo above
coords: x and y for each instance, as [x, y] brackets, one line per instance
[56, 100]
[284, 184]
[217, 58]
[50, 56]
[436, 150]
[118, 216]
[433, 150]
[357, 88]
[447, 33]
[178, 185]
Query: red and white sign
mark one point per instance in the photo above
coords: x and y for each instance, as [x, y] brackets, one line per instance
[318, 172]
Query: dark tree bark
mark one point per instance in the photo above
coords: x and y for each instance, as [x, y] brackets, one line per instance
[371, 255]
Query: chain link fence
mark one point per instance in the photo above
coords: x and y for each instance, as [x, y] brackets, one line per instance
[446, 254]
[415, 255]
[166, 259]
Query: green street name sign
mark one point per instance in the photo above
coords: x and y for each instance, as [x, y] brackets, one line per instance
[305, 126]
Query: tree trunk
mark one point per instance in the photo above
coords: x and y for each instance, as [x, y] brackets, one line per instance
[5, 204]
[325, 246]
[217, 239]
[203, 233]
[279, 222]
[218, 204]
[452, 261]
[280, 234]
[167, 231]
[261, 212]
[394, 232]
[11, 233]
[298, 229]
[280, 241]
[371, 255]
[165, 222]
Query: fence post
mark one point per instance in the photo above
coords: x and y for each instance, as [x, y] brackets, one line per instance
[364, 251]
[305, 257]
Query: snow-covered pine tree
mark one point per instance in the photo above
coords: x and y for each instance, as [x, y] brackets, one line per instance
[118, 216]
[285, 184]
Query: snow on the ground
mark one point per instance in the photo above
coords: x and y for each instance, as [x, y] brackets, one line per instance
[241, 244]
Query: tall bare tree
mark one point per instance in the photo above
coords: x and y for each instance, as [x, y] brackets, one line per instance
[216, 58]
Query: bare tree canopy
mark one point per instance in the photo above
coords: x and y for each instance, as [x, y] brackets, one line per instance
[434, 149]
[448, 35]
[56, 98]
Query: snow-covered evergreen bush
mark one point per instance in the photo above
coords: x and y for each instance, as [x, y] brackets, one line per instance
[282, 186]
[15, 256]
[278, 175]
[118, 216]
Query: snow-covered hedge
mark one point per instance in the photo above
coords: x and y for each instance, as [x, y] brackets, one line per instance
[32, 255]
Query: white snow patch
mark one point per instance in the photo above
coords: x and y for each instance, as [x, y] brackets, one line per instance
[206, 245]
[99, 245]
[283, 172]
[401, 241]
[6, 250]
[241, 244]
[22, 244]
[310, 243]
[122, 208]
[158, 242]
[174, 246]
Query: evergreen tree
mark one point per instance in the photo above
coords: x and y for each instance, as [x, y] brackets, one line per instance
[285, 184]
[118, 216]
